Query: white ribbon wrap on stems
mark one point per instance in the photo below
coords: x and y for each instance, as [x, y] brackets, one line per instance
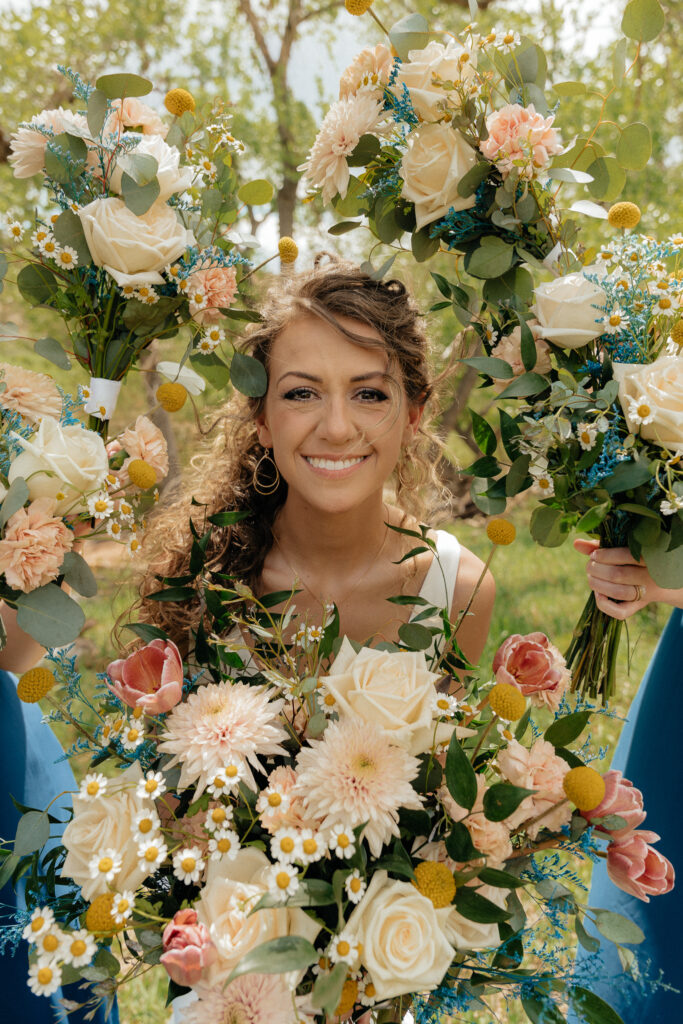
[103, 396]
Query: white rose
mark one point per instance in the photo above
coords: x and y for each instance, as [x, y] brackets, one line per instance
[403, 937]
[171, 177]
[224, 905]
[107, 822]
[450, 63]
[567, 309]
[63, 463]
[133, 249]
[466, 934]
[660, 386]
[393, 690]
[437, 158]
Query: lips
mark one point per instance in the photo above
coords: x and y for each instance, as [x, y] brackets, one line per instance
[334, 465]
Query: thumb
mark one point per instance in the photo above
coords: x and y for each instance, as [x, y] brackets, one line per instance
[585, 546]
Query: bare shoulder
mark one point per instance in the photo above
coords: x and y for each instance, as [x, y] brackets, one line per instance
[475, 625]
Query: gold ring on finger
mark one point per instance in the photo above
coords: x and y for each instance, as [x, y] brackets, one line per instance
[640, 592]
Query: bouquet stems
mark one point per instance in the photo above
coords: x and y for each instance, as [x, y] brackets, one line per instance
[592, 653]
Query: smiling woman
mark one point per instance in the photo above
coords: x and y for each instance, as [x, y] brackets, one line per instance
[344, 418]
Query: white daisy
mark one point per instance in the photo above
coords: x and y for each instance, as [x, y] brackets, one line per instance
[105, 865]
[67, 258]
[218, 785]
[50, 945]
[224, 843]
[205, 346]
[543, 480]
[282, 881]
[41, 921]
[272, 800]
[666, 305]
[508, 41]
[49, 247]
[38, 236]
[218, 816]
[114, 529]
[312, 846]
[660, 286]
[93, 786]
[342, 842]
[615, 321]
[285, 845]
[122, 905]
[15, 230]
[144, 291]
[79, 948]
[197, 297]
[188, 864]
[133, 547]
[152, 786]
[112, 727]
[640, 411]
[100, 505]
[126, 511]
[151, 853]
[367, 994]
[669, 507]
[344, 947]
[355, 886]
[445, 705]
[132, 736]
[173, 270]
[587, 433]
[147, 825]
[44, 979]
[128, 291]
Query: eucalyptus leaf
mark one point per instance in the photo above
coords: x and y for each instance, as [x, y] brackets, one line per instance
[50, 349]
[9, 866]
[527, 384]
[475, 907]
[256, 193]
[415, 636]
[567, 728]
[410, 33]
[4, 264]
[588, 942]
[589, 209]
[367, 148]
[500, 879]
[277, 956]
[608, 176]
[470, 182]
[68, 230]
[502, 798]
[619, 61]
[490, 365]
[15, 498]
[592, 1008]
[120, 86]
[643, 20]
[78, 574]
[343, 227]
[459, 845]
[547, 527]
[422, 245]
[37, 284]
[248, 375]
[328, 987]
[570, 175]
[139, 198]
[570, 88]
[33, 831]
[491, 259]
[141, 167]
[50, 616]
[146, 631]
[97, 111]
[665, 565]
[634, 147]
[484, 434]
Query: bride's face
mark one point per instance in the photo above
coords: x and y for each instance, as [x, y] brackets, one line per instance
[335, 415]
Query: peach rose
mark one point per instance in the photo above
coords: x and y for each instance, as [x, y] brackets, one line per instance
[219, 285]
[34, 545]
[521, 138]
[534, 666]
[138, 116]
[492, 838]
[658, 385]
[32, 395]
[543, 770]
[621, 798]
[436, 159]
[27, 145]
[150, 678]
[636, 868]
[188, 949]
[452, 63]
[145, 441]
[369, 69]
[509, 348]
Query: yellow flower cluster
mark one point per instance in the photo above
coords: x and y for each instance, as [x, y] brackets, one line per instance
[623, 215]
[178, 101]
[501, 531]
[171, 395]
[507, 701]
[98, 916]
[677, 333]
[35, 684]
[288, 249]
[436, 882]
[584, 787]
[358, 7]
[348, 998]
[141, 474]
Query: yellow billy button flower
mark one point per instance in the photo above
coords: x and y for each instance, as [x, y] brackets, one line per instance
[677, 333]
[584, 787]
[98, 916]
[358, 7]
[436, 882]
[178, 101]
[288, 249]
[507, 701]
[142, 474]
[349, 992]
[500, 531]
[171, 395]
[35, 684]
[623, 215]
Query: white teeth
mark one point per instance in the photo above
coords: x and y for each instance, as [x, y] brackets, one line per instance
[334, 464]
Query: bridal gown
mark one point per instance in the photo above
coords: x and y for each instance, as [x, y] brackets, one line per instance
[29, 752]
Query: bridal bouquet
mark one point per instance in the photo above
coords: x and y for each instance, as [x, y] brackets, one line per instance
[57, 477]
[305, 829]
[133, 239]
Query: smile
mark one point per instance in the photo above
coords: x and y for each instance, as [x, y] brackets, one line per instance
[334, 465]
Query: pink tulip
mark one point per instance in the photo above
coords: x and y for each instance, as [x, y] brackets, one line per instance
[188, 948]
[150, 678]
[637, 868]
[534, 666]
[622, 798]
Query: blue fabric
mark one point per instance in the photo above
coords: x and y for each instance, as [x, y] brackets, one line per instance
[648, 753]
[28, 752]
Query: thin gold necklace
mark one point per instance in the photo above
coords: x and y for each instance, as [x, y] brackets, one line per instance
[316, 597]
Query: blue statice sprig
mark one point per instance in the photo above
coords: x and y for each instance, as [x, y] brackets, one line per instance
[81, 88]
[12, 428]
[458, 226]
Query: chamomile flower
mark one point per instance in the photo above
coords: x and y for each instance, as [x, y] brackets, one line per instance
[508, 41]
[215, 335]
[79, 948]
[234, 772]
[54, 217]
[105, 865]
[367, 994]
[100, 505]
[150, 299]
[44, 979]
[344, 947]
[49, 247]
[606, 256]
[282, 881]
[666, 305]
[146, 824]
[15, 230]
[129, 291]
[670, 506]
[41, 921]
[218, 816]
[355, 886]
[205, 346]
[314, 634]
[284, 846]
[125, 511]
[143, 291]
[208, 168]
[173, 270]
[586, 434]
[341, 841]
[445, 705]
[38, 236]
[188, 864]
[656, 268]
[327, 700]
[151, 853]
[152, 786]
[112, 728]
[614, 321]
[122, 905]
[542, 479]
[133, 546]
[660, 286]
[114, 529]
[218, 785]
[132, 736]
[640, 411]
[197, 297]
[67, 258]
[312, 846]
[224, 843]
[272, 800]
[676, 240]
[93, 786]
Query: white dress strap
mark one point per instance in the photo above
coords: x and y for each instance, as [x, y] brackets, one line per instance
[438, 586]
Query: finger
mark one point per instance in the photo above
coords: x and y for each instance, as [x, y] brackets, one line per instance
[627, 575]
[615, 609]
[624, 592]
[585, 546]
[614, 556]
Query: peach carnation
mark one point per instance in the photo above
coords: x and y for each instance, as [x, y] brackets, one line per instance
[369, 69]
[138, 116]
[32, 395]
[492, 838]
[34, 545]
[27, 145]
[541, 769]
[509, 348]
[218, 285]
[326, 167]
[251, 999]
[145, 441]
[520, 137]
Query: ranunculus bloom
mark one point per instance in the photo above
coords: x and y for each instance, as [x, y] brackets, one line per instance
[34, 545]
[134, 114]
[450, 62]
[133, 249]
[622, 798]
[27, 145]
[543, 770]
[436, 160]
[63, 463]
[509, 348]
[188, 949]
[150, 678]
[520, 137]
[369, 68]
[403, 937]
[145, 441]
[170, 175]
[568, 307]
[660, 386]
[32, 395]
[492, 838]
[534, 666]
[219, 285]
[638, 869]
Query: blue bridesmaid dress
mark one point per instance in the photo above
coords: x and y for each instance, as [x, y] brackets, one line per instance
[29, 751]
[648, 753]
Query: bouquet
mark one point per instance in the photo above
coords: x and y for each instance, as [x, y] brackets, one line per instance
[284, 842]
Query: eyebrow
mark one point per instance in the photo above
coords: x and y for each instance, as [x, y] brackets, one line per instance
[319, 380]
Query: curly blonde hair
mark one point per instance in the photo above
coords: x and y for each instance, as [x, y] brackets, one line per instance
[223, 478]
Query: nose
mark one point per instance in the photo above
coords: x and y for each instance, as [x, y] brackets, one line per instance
[337, 425]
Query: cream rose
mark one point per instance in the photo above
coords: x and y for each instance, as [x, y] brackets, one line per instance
[107, 822]
[403, 937]
[658, 385]
[170, 175]
[133, 249]
[567, 309]
[63, 463]
[450, 63]
[393, 690]
[466, 934]
[437, 158]
[224, 906]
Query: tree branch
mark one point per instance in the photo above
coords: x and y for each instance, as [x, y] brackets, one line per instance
[259, 38]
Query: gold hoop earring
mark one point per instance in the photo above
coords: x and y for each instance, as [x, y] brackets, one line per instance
[272, 486]
[405, 466]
